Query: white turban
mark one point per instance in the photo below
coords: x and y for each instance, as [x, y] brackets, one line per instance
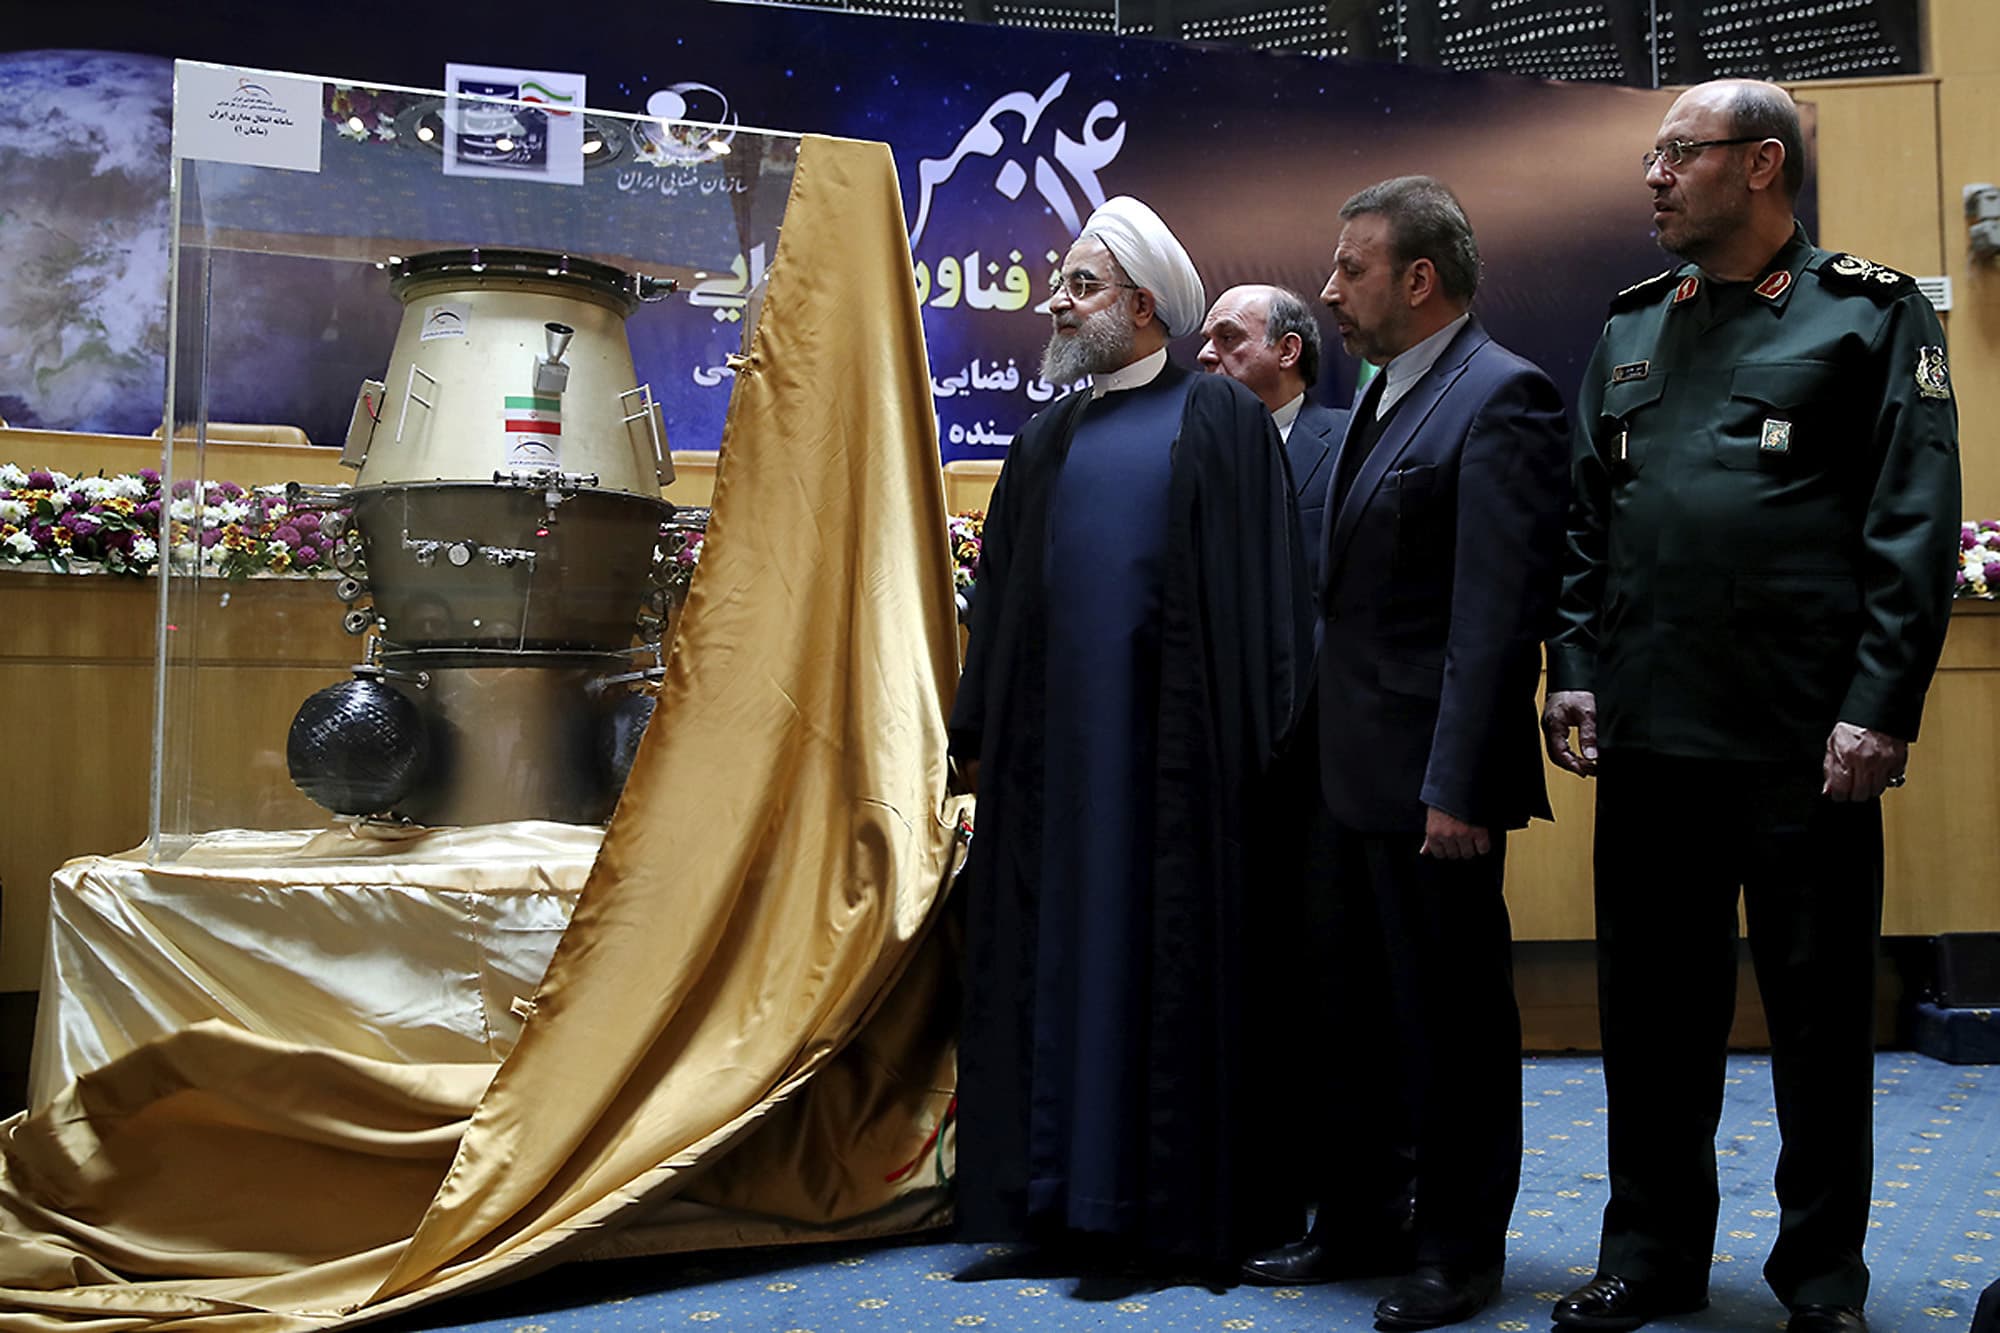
[1152, 258]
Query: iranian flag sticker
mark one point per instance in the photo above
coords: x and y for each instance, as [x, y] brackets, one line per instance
[533, 428]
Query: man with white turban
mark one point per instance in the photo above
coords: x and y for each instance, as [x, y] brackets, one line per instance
[1140, 629]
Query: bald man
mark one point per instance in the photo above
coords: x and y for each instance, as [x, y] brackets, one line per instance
[1760, 566]
[1266, 339]
[1139, 632]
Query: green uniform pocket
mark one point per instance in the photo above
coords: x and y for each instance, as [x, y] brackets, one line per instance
[1776, 417]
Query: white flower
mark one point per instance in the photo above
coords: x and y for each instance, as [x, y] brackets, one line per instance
[62, 497]
[277, 542]
[183, 510]
[62, 479]
[144, 550]
[12, 477]
[184, 552]
[129, 485]
[222, 515]
[96, 488]
[21, 544]
[13, 511]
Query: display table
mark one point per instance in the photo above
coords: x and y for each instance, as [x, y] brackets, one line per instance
[416, 946]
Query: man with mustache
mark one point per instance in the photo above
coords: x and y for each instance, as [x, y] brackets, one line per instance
[1139, 627]
[1438, 584]
[1265, 338]
[1760, 565]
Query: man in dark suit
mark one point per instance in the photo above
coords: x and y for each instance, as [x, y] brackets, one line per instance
[1439, 581]
[1266, 339]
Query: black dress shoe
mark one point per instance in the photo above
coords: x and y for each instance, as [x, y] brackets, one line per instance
[1305, 1262]
[1608, 1303]
[1826, 1319]
[1432, 1295]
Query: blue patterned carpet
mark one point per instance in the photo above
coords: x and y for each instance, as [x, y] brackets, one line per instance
[1933, 1247]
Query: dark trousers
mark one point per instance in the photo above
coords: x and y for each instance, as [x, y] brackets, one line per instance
[1676, 842]
[1424, 984]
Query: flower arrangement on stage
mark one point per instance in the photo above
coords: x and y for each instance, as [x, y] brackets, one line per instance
[680, 551]
[363, 114]
[106, 521]
[113, 524]
[966, 532]
[1979, 559]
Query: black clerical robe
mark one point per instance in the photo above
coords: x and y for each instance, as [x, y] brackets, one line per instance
[1234, 641]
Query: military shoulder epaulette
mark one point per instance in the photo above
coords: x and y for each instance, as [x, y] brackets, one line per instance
[1851, 273]
[1640, 292]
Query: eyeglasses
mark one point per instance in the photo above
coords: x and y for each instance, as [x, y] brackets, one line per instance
[1680, 150]
[1081, 285]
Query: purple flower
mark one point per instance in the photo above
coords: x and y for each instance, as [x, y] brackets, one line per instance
[308, 554]
[40, 480]
[150, 476]
[210, 536]
[287, 534]
[1968, 537]
[121, 541]
[231, 491]
[79, 523]
[183, 489]
[305, 521]
[150, 511]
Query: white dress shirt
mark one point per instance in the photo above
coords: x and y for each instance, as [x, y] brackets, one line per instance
[1143, 371]
[1407, 368]
[1286, 415]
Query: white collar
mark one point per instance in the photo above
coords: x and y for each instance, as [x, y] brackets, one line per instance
[1141, 372]
[1405, 369]
[1287, 414]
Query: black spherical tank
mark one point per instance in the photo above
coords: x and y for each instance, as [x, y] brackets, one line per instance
[357, 748]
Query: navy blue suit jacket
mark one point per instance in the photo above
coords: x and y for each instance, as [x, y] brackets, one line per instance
[1315, 434]
[1441, 571]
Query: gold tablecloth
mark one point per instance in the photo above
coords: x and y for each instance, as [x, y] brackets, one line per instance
[412, 946]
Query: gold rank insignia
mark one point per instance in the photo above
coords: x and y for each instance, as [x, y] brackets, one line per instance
[1777, 438]
[1854, 266]
[1933, 378]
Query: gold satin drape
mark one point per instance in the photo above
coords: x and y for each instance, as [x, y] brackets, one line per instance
[741, 995]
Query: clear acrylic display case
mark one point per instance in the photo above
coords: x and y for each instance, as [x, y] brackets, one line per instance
[285, 305]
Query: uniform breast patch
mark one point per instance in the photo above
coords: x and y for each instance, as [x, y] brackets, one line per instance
[1777, 437]
[1631, 370]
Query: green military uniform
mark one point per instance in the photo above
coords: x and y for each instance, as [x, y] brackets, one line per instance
[1762, 543]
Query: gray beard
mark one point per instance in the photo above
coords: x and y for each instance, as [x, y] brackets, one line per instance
[1101, 343]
